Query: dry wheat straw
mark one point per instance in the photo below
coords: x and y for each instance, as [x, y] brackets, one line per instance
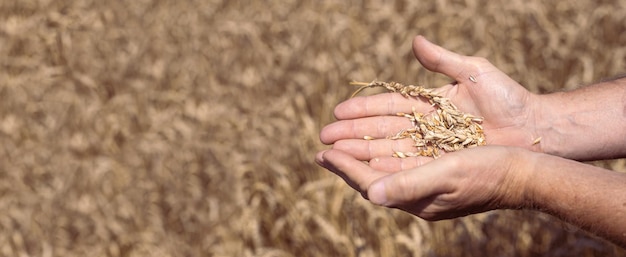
[446, 128]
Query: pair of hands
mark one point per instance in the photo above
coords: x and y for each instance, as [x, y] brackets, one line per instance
[458, 183]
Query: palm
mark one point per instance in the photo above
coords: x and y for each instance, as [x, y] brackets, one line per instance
[502, 102]
[506, 121]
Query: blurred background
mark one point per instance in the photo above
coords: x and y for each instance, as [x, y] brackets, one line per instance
[188, 128]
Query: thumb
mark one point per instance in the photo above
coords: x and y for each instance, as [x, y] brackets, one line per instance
[436, 58]
[409, 186]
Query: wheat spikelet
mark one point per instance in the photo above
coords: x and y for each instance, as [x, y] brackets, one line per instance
[446, 128]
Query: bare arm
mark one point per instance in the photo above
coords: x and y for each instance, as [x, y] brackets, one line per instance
[588, 123]
[584, 195]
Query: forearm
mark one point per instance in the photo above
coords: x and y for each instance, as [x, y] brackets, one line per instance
[584, 195]
[588, 123]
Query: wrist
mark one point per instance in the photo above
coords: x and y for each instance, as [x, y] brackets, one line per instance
[543, 181]
[545, 112]
[532, 166]
[513, 193]
[583, 124]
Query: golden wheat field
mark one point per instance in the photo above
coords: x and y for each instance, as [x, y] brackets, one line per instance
[189, 128]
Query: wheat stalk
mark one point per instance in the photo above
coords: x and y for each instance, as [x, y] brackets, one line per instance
[446, 128]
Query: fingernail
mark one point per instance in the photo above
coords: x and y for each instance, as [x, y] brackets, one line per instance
[377, 193]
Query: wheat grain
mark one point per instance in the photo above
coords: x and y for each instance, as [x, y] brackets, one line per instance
[446, 128]
[537, 141]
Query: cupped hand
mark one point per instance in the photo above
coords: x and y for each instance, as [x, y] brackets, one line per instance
[479, 89]
[457, 184]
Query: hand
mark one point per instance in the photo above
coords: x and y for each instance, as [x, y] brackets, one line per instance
[480, 89]
[457, 184]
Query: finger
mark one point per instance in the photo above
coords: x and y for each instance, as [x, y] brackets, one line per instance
[354, 172]
[366, 150]
[377, 127]
[379, 104]
[319, 158]
[393, 164]
[438, 59]
[413, 185]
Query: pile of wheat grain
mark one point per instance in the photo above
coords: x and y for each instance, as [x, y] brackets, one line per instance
[446, 128]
